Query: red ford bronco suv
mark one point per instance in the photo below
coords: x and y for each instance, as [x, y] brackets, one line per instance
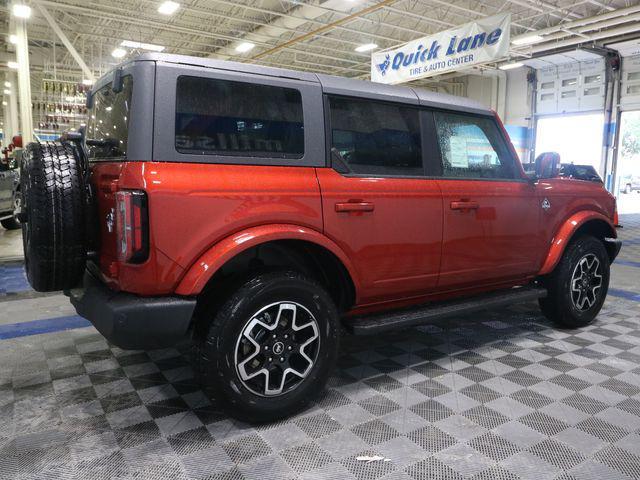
[258, 210]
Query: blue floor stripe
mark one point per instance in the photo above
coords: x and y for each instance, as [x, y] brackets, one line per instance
[626, 294]
[627, 263]
[37, 327]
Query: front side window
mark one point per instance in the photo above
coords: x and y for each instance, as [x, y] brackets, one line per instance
[237, 118]
[373, 138]
[108, 124]
[472, 147]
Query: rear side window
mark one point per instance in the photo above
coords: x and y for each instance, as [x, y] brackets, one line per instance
[472, 147]
[373, 138]
[108, 123]
[237, 118]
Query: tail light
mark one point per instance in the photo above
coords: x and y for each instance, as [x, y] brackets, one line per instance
[132, 224]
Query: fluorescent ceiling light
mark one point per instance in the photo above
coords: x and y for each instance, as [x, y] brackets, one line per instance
[244, 47]
[13, 39]
[528, 40]
[21, 11]
[7, 91]
[511, 66]
[118, 53]
[7, 84]
[168, 8]
[13, 65]
[4, 104]
[366, 47]
[142, 46]
[86, 81]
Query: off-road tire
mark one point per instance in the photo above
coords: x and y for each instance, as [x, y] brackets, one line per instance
[54, 202]
[559, 306]
[215, 347]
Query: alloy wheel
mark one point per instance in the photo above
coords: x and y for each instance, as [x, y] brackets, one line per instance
[277, 348]
[586, 282]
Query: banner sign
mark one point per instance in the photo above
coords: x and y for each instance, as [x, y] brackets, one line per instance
[477, 42]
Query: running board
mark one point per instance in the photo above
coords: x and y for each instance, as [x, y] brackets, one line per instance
[373, 324]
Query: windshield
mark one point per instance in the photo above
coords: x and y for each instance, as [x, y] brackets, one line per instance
[107, 127]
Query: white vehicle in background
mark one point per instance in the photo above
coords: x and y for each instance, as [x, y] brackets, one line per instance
[629, 183]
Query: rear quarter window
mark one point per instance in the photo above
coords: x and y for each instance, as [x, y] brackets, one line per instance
[225, 117]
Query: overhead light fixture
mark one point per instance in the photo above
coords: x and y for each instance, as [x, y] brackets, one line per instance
[20, 10]
[366, 47]
[13, 39]
[7, 84]
[4, 104]
[142, 46]
[13, 65]
[528, 40]
[511, 66]
[7, 91]
[118, 53]
[168, 8]
[244, 47]
[87, 82]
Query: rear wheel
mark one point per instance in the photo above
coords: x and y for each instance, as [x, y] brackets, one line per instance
[579, 284]
[270, 348]
[53, 216]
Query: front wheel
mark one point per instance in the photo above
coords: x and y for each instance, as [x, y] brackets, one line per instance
[579, 284]
[270, 348]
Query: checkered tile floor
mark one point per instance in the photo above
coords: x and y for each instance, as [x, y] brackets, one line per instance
[496, 395]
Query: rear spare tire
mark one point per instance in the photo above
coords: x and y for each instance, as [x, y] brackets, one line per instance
[53, 213]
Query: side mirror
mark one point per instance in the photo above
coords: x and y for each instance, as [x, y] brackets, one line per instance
[547, 165]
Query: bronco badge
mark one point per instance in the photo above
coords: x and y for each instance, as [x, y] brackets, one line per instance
[546, 204]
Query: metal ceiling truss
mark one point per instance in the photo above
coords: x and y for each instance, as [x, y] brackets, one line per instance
[316, 35]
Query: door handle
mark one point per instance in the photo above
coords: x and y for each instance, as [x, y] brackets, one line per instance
[354, 207]
[464, 205]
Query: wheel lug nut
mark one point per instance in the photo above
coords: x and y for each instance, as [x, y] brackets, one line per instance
[270, 359]
[274, 335]
[286, 336]
[282, 359]
[266, 347]
[289, 347]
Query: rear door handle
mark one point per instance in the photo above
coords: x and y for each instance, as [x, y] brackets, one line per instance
[354, 207]
[464, 205]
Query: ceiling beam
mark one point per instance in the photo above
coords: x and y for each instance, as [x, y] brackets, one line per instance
[65, 41]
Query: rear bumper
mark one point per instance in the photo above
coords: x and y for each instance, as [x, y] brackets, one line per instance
[130, 321]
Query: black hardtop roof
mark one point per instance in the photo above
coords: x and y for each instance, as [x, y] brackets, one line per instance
[330, 84]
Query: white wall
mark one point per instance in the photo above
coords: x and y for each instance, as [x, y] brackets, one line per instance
[517, 102]
[480, 88]
[518, 108]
